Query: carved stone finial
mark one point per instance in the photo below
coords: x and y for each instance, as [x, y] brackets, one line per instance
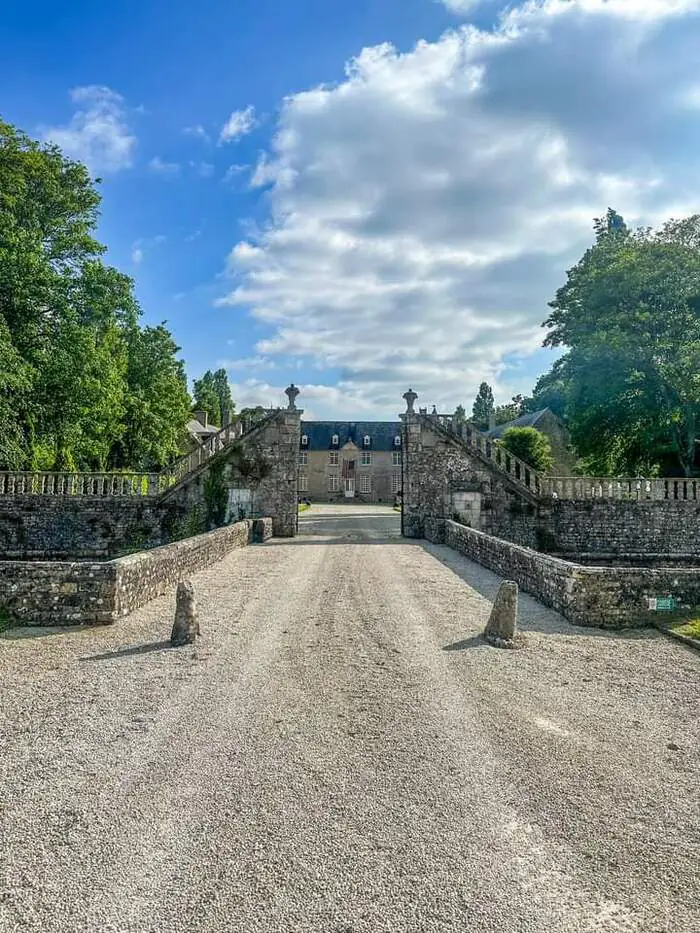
[291, 394]
[410, 399]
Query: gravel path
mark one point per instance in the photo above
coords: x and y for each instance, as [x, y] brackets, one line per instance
[341, 754]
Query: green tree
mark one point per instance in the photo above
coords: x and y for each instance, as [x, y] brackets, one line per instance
[483, 406]
[459, 417]
[530, 446]
[222, 387]
[630, 314]
[207, 398]
[67, 322]
[157, 402]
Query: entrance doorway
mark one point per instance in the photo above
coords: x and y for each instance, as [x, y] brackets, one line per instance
[349, 487]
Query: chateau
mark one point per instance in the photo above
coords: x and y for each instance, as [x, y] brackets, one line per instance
[345, 460]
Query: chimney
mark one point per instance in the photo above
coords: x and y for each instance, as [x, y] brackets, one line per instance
[202, 417]
[492, 420]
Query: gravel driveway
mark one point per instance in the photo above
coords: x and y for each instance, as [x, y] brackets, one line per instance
[341, 754]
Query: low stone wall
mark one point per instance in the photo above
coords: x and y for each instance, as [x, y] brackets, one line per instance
[605, 597]
[82, 592]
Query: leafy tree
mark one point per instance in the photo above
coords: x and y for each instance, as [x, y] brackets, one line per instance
[630, 314]
[68, 324]
[459, 417]
[206, 397]
[222, 388]
[157, 402]
[530, 446]
[483, 406]
[511, 411]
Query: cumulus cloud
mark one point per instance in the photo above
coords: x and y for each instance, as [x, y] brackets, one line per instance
[197, 131]
[98, 133]
[138, 250]
[461, 6]
[239, 124]
[425, 209]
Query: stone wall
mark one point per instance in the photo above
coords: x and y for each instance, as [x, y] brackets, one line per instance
[610, 526]
[59, 527]
[439, 471]
[605, 597]
[84, 592]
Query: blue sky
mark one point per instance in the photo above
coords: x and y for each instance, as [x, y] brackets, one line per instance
[361, 195]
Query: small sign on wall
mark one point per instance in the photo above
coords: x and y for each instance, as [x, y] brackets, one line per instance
[662, 604]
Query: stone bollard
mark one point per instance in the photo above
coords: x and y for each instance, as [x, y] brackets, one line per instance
[186, 625]
[502, 627]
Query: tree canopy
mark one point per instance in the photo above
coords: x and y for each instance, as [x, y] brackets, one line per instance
[212, 394]
[530, 446]
[82, 385]
[629, 316]
[483, 406]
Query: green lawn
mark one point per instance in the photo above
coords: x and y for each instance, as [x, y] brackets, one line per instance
[303, 507]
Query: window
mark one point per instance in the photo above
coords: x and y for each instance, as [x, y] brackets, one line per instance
[366, 458]
[303, 483]
[335, 440]
[396, 458]
[303, 457]
[367, 440]
[397, 440]
[365, 483]
[395, 482]
[333, 457]
[304, 440]
[333, 482]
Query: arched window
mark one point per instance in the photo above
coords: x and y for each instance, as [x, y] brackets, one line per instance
[304, 440]
[335, 440]
[397, 440]
[367, 440]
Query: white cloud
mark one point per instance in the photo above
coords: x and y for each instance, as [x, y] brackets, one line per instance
[98, 133]
[138, 250]
[425, 209]
[161, 167]
[198, 132]
[239, 124]
[233, 171]
[203, 169]
[461, 6]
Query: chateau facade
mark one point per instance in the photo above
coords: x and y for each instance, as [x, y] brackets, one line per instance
[349, 461]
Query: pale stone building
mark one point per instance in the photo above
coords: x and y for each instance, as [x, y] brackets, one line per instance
[350, 460]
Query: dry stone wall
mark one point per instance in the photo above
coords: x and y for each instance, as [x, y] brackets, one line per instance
[88, 592]
[605, 597]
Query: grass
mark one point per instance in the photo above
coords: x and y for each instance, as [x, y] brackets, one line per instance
[303, 507]
[690, 628]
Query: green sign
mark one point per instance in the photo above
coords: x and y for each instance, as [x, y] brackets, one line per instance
[665, 604]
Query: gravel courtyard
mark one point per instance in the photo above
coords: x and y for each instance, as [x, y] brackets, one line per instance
[341, 754]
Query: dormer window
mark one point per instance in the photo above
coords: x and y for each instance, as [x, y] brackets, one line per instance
[335, 440]
[304, 440]
[367, 440]
[397, 440]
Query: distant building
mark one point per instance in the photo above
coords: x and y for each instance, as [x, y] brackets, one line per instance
[350, 460]
[554, 428]
[198, 428]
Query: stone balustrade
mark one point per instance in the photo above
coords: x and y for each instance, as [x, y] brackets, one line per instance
[632, 488]
[216, 443]
[140, 485]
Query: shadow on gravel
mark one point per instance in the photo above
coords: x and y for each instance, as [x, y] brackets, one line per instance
[128, 652]
[533, 616]
[476, 641]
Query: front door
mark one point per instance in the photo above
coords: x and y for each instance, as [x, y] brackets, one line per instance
[350, 487]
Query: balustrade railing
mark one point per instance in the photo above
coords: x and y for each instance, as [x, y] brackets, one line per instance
[677, 489]
[216, 443]
[84, 484]
[518, 471]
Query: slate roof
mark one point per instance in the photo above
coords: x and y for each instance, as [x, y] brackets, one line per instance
[320, 434]
[524, 421]
[197, 429]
